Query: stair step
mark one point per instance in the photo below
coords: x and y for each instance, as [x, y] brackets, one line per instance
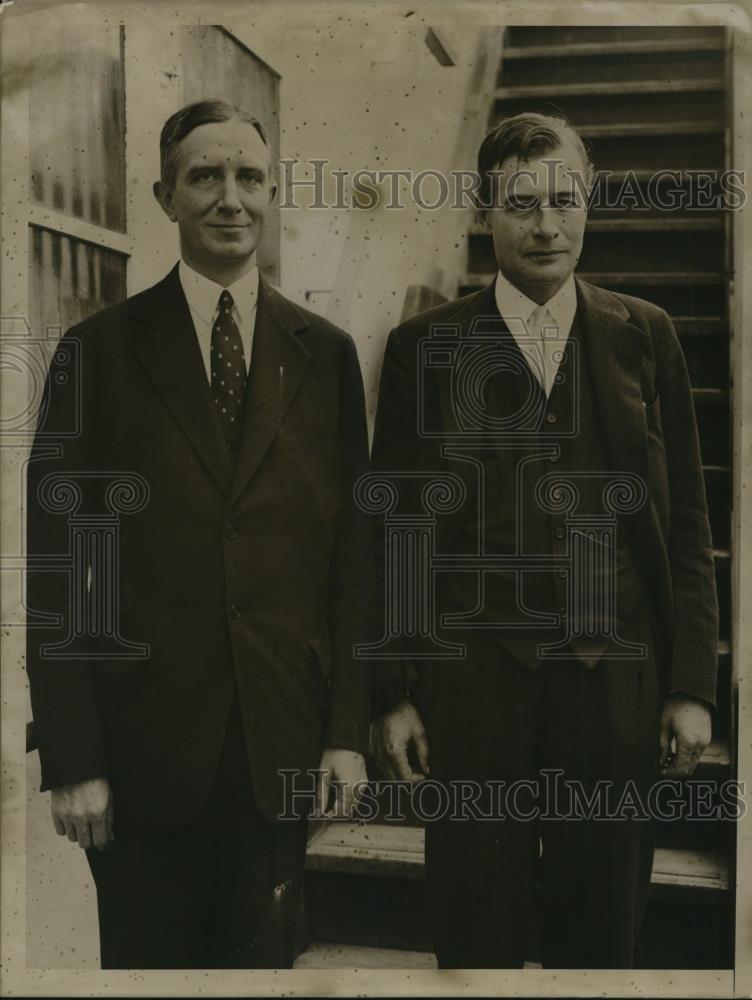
[620, 68]
[667, 224]
[677, 868]
[520, 36]
[382, 849]
[691, 278]
[643, 176]
[603, 49]
[637, 191]
[649, 130]
[643, 224]
[703, 394]
[654, 277]
[697, 326]
[619, 88]
[630, 251]
[631, 245]
[389, 851]
[717, 755]
[322, 955]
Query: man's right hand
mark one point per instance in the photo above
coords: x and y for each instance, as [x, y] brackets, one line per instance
[392, 735]
[83, 812]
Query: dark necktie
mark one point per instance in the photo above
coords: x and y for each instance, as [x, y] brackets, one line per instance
[228, 374]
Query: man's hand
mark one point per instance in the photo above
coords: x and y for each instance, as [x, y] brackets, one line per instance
[84, 812]
[686, 722]
[392, 736]
[345, 770]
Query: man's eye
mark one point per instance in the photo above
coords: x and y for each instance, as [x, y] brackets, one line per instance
[203, 175]
[251, 178]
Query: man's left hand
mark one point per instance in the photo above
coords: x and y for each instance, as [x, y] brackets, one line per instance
[686, 722]
[345, 770]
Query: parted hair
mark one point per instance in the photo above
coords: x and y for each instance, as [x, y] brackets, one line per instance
[526, 136]
[180, 124]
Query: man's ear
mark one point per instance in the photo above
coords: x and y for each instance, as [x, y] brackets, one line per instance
[163, 194]
[272, 192]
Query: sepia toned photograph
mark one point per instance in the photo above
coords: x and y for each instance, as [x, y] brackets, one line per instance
[376, 451]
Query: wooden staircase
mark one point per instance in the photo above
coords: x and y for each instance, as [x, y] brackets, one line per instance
[645, 99]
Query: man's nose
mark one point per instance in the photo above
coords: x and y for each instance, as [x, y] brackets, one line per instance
[546, 223]
[229, 199]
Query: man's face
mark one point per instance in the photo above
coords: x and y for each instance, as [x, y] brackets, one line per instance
[221, 195]
[539, 222]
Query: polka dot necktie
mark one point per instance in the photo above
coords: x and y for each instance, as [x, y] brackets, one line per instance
[228, 374]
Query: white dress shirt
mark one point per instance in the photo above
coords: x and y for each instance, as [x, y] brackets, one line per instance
[541, 331]
[203, 295]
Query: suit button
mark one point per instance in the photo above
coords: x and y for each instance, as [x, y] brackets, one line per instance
[562, 574]
[563, 612]
[551, 418]
[231, 531]
[560, 533]
[234, 611]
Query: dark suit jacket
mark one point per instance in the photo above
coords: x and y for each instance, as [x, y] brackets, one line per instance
[250, 573]
[645, 406]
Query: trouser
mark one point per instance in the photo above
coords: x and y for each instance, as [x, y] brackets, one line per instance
[492, 720]
[222, 893]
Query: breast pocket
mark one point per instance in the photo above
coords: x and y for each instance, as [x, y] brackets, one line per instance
[305, 458]
[310, 437]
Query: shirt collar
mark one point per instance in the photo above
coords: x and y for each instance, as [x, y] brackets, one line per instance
[203, 294]
[512, 303]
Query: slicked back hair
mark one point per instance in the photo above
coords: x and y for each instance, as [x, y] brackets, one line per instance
[528, 136]
[183, 122]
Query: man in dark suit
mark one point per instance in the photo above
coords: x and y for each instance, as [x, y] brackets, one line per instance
[562, 414]
[242, 570]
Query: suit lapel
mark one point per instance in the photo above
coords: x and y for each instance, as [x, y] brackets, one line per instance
[615, 350]
[168, 350]
[278, 362]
